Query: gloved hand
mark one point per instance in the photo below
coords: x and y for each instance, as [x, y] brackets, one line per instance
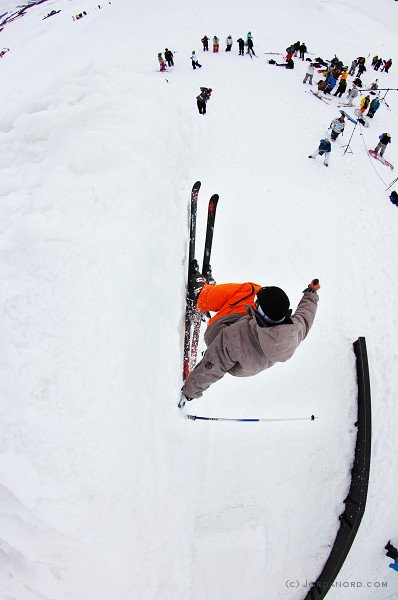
[313, 286]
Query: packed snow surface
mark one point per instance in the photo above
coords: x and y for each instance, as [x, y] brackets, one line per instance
[107, 491]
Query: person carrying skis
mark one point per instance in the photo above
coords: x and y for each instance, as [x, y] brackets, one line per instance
[216, 43]
[202, 99]
[374, 106]
[337, 126]
[241, 43]
[252, 330]
[310, 73]
[392, 552]
[365, 103]
[385, 138]
[205, 42]
[169, 57]
[303, 50]
[194, 60]
[161, 62]
[387, 65]
[228, 42]
[324, 148]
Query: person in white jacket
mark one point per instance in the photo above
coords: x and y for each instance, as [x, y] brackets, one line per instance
[337, 127]
[228, 41]
[194, 60]
[309, 74]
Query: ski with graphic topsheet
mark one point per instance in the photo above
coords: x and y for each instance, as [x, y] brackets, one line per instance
[190, 300]
[207, 274]
[381, 159]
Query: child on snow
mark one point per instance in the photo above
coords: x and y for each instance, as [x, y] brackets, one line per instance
[194, 60]
[161, 62]
[324, 148]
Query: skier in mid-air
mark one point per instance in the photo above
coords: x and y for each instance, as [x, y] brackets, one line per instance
[253, 329]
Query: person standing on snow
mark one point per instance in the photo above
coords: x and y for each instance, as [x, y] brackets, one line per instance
[228, 42]
[303, 50]
[374, 106]
[387, 65]
[169, 57]
[324, 148]
[194, 60]
[353, 93]
[250, 49]
[253, 329]
[353, 67]
[365, 103]
[341, 88]
[205, 42]
[241, 43]
[161, 62]
[216, 43]
[330, 84]
[310, 73]
[385, 138]
[377, 64]
[337, 127]
[202, 99]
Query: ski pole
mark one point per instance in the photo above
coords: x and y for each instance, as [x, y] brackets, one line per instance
[198, 418]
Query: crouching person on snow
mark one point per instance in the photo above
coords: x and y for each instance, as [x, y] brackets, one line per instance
[253, 329]
[324, 148]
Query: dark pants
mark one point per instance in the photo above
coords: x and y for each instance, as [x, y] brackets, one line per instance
[205, 46]
[196, 64]
[392, 552]
[170, 62]
[334, 135]
[228, 49]
[241, 50]
[201, 106]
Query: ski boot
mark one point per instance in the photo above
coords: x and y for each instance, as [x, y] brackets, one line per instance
[183, 400]
[196, 280]
[207, 274]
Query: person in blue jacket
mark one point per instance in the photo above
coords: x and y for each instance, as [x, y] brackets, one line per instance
[331, 82]
[324, 148]
[392, 552]
[374, 105]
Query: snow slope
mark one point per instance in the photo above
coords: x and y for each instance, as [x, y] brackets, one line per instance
[107, 492]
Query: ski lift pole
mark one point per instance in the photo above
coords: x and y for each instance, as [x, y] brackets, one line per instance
[347, 146]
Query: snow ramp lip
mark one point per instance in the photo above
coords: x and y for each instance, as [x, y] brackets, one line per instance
[355, 502]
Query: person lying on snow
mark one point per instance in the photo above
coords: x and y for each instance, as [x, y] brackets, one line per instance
[253, 329]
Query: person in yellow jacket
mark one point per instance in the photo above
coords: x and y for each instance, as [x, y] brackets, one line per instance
[365, 103]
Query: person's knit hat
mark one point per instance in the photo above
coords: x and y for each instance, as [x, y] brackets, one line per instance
[272, 304]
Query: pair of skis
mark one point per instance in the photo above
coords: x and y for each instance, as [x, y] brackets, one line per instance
[193, 318]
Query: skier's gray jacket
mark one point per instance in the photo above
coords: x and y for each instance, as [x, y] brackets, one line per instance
[238, 345]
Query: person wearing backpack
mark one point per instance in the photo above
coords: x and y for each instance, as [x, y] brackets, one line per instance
[385, 138]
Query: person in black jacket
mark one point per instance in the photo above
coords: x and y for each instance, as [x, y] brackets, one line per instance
[241, 46]
[250, 49]
[202, 99]
[205, 42]
[303, 50]
[169, 57]
[385, 139]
